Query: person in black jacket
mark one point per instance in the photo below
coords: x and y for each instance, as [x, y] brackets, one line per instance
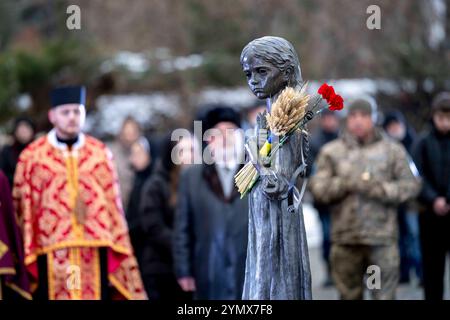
[23, 133]
[432, 157]
[151, 230]
[398, 129]
[141, 162]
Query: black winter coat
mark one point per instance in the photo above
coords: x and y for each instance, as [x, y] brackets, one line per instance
[151, 228]
[432, 158]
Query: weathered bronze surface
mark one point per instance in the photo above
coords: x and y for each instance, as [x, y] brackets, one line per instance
[277, 264]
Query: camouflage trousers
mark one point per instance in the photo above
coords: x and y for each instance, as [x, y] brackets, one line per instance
[350, 264]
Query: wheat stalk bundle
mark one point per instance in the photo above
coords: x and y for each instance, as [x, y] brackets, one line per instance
[287, 112]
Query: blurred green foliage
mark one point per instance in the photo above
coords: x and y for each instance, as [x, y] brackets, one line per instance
[34, 72]
[331, 38]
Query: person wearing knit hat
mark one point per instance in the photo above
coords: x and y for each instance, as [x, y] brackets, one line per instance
[362, 118]
[365, 104]
[441, 103]
[440, 109]
[364, 175]
[432, 157]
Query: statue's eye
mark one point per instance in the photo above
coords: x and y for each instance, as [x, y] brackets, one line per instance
[262, 71]
[248, 74]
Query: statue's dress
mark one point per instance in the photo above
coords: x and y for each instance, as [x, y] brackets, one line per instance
[277, 265]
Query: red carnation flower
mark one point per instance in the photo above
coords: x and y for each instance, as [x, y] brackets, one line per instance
[337, 103]
[327, 92]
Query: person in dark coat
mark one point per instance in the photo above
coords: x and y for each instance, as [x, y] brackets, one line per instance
[23, 133]
[151, 230]
[141, 163]
[211, 224]
[432, 157]
[398, 129]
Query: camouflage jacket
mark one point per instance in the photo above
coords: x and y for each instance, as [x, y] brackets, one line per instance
[364, 184]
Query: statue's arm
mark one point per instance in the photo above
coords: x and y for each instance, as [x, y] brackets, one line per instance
[274, 183]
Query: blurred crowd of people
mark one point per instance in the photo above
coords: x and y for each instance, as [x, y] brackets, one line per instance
[382, 194]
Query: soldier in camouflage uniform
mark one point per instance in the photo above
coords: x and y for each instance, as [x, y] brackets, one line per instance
[364, 175]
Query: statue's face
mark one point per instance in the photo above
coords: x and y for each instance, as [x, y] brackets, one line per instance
[263, 78]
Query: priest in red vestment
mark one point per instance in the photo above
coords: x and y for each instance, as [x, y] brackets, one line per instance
[67, 198]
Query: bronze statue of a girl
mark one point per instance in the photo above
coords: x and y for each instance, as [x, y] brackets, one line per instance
[277, 264]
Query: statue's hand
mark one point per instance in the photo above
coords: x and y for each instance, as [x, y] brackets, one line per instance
[274, 187]
[261, 120]
[262, 128]
[252, 149]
